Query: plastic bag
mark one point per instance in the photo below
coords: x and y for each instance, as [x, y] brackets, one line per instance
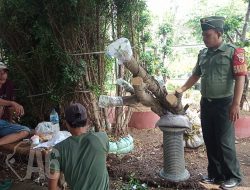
[194, 117]
[112, 147]
[110, 101]
[128, 87]
[56, 138]
[120, 49]
[124, 145]
[194, 141]
[160, 80]
[125, 150]
[46, 128]
[193, 137]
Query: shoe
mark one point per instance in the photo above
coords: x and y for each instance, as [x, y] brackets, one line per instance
[218, 181]
[229, 184]
[207, 180]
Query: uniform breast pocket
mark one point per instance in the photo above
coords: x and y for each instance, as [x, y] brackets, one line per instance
[222, 66]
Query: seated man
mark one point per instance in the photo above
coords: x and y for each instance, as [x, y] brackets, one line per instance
[9, 131]
[81, 157]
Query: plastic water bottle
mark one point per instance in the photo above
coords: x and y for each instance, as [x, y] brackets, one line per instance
[54, 118]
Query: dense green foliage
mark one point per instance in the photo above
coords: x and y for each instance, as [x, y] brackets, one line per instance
[46, 45]
[235, 14]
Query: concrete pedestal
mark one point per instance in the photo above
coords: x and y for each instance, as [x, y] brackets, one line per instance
[173, 127]
[173, 151]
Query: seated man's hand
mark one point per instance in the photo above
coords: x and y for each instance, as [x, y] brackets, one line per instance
[18, 109]
[9, 114]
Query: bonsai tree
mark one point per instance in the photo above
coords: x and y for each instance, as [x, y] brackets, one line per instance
[145, 89]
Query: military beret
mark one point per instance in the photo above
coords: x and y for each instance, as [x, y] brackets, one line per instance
[212, 22]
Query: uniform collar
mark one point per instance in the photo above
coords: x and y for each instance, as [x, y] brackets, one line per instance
[222, 47]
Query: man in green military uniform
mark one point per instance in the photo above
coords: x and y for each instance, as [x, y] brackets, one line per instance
[222, 69]
[81, 157]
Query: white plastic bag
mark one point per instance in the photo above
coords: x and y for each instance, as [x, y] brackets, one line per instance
[120, 49]
[194, 141]
[194, 117]
[193, 137]
[160, 80]
[56, 138]
[128, 87]
[110, 101]
[46, 128]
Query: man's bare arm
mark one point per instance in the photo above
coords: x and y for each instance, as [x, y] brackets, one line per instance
[238, 90]
[17, 107]
[189, 83]
[53, 180]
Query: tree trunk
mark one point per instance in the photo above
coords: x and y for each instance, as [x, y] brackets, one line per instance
[119, 111]
[149, 92]
[244, 31]
[153, 86]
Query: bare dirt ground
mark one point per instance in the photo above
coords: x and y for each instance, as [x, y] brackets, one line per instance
[142, 165]
[145, 162]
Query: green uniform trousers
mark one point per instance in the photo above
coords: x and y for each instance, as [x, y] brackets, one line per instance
[219, 137]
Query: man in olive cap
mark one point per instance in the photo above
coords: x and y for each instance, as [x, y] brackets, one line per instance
[222, 69]
[81, 157]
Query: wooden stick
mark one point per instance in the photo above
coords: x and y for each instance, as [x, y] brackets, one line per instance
[137, 81]
[145, 98]
[150, 84]
[130, 100]
[172, 100]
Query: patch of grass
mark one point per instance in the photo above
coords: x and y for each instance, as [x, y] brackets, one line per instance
[134, 184]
